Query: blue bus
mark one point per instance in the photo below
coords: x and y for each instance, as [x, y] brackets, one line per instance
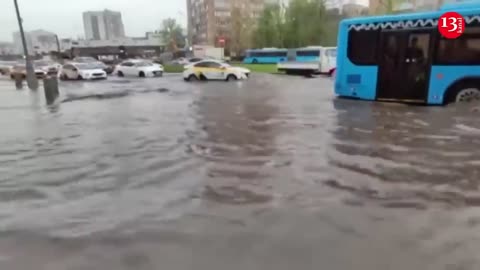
[404, 58]
[308, 54]
[265, 56]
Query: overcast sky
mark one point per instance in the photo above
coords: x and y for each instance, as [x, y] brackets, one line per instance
[64, 17]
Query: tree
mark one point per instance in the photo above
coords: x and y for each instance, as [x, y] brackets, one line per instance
[241, 31]
[387, 7]
[301, 23]
[304, 23]
[172, 35]
[270, 27]
[332, 21]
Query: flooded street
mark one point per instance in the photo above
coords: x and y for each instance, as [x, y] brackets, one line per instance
[270, 173]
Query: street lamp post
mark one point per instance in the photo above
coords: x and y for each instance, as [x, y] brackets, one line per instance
[31, 79]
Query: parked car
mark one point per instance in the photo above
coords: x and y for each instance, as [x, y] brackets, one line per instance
[84, 59]
[5, 67]
[140, 68]
[21, 69]
[82, 71]
[49, 67]
[179, 61]
[214, 70]
[88, 59]
[195, 60]
[109, 65]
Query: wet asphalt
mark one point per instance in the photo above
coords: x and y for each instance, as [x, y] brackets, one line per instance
[270, 173]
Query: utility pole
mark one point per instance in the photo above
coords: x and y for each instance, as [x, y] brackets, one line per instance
[31, 79]
[59, 51]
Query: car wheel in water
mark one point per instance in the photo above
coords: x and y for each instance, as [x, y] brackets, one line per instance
[120, 74]
[141, 74]
[63, 77]
[467, 94]
[192, 78]
[79, 78]
[231, 77]
[333, 74]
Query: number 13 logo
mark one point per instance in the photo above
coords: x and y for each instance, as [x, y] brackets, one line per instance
[451, 25]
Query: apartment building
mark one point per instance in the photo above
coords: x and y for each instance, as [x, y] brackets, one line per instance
[209, 21]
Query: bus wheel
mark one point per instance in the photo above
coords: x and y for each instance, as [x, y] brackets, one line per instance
[255, 61]
[468, 94]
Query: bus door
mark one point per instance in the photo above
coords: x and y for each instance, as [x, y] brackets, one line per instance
[404, 66]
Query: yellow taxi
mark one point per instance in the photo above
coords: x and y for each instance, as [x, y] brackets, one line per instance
[214, 70]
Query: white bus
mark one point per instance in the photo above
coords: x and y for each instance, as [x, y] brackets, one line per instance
[310, 60]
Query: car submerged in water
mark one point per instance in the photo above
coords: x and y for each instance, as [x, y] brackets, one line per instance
[214, 70]
[139, 68]
[82, 71]
[20, 69]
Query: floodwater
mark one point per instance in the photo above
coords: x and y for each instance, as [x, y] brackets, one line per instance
[271, 173]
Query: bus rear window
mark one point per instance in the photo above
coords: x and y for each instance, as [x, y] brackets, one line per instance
[362, 47]
[309, 53]
[331, 53]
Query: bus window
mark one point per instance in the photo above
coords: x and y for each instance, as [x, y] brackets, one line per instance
[362, 47]
[331, 53]
[309, 53]
[418, 46]
[464, 50]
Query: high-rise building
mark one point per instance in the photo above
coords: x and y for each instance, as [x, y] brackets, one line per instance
[209, 21]
[103, 25]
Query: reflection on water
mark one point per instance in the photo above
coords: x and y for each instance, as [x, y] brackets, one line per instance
[240, 141]
[270, 173]
[406, 156]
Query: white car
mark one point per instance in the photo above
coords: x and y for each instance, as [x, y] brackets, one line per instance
[214, 70]
[140, 68]
[21, 69]
[5, 67]
[48, 67]
[82, 71]
[84, 59]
